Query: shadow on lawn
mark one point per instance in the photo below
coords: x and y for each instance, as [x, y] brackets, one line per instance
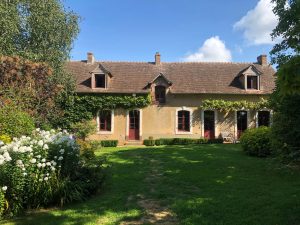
[203, 184]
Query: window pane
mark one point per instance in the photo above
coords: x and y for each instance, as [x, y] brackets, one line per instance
[160, 94]
[105, 120]
[100, 80]
[252, 82]
[183, 120]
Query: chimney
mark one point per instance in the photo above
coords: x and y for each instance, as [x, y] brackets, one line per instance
[157, 58]
[262, 60]
[90, 58]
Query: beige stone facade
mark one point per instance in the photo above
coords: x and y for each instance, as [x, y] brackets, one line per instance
[180, 88]
[160, 121]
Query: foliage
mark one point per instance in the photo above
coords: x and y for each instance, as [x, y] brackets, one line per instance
[256, 141]
[109, 143]
[41, 32]
[285, 127]
[45, 169]
[26, 85]
[86, 107]
[288, 77]
[149, 142]
[5, 138]
[287, 30]
[83, 129]
[182, 141]
[15, 122]
[227, 106]
[86, 149]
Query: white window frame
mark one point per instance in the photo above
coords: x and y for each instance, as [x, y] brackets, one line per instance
[176, 120]
[140, 124]
[258, 82]
[112, 123]
[271, 116]
[94, 81]
[216, 122]
[235, 121]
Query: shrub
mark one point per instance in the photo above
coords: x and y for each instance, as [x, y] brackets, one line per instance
[213, 141]
[83, 129]
[149, 142]
[5, 138]
[109, 143]
[15, 122]
[187, 141]
[45, 169]
[256, 142]
[86, 149]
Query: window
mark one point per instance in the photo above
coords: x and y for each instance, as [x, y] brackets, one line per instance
[183, 120]
[99, 80]
[263, 118]
[160, 94]
[252, 82]
[105, 120]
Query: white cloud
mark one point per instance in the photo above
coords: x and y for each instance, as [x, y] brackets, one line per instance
[212, 50]
[258, 23]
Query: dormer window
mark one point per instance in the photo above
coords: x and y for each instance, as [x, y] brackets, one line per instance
[100, 81]
[252, 82]
[160, 94]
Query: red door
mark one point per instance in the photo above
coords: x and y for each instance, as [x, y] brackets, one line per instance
[241, 123]
[134, 125]
[209, 124]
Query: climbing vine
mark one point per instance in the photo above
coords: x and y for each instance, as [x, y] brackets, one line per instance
[85, 106]
[228, 106]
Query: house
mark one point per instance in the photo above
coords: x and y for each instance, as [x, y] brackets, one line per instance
[177, 90]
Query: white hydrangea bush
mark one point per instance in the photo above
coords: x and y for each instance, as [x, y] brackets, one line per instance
[30, 167]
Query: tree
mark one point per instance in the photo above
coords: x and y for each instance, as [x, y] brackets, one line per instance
[287, 29]
[286, 97]
[40, 31]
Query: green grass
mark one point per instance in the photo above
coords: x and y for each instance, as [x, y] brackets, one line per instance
[202, 185]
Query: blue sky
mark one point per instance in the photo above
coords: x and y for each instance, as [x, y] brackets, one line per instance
[181, 30]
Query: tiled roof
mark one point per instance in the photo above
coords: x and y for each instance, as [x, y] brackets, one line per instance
[186, 78]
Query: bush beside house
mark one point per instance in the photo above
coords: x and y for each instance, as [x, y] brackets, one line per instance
[257, 141]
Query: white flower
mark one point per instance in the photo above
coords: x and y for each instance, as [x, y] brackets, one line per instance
[46, 146]
[41, 143]
[52, 168]
[24, 174]
[43, 165]
[43, 160]
[48, 163]
[46, 178]
[4, 188]
[54, 163]
[60, 158]
[1, 143]
[1, 161]
[38, 156]
[33, 160]
[39, 165]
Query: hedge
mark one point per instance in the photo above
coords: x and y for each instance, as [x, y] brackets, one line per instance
[181, 141]
[109, 143]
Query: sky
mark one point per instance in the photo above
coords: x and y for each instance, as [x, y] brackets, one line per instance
[181, 30]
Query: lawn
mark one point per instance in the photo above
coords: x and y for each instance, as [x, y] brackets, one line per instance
[204, 184]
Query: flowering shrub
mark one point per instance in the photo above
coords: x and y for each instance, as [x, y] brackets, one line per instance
[40, 170]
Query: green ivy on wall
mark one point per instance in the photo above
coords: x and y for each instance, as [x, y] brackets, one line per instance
[85, 106]
[228, 106]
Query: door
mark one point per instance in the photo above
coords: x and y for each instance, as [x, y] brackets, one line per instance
[209, 124]
[264, 118]
[134, 125]
[241, 122]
